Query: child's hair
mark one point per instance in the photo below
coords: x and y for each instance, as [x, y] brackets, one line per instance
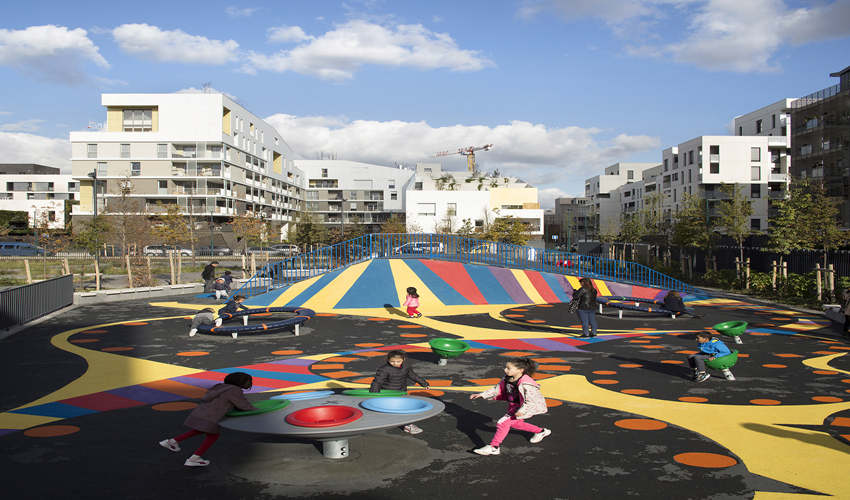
[703, 335]
[527, 365]
[239, 379]
[237, 298]
[219, 279]
[412, 292]
[672, 293]
[207, 310]
[396, 354]
[586, 283]
[227, 272]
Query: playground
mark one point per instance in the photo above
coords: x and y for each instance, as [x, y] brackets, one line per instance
[88, 394]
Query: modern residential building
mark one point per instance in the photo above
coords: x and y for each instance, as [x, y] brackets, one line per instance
[342, 193]
[569, 221]
[41, 191]
[605, 208]
[202, 152]
[820, 139]
[443, 201]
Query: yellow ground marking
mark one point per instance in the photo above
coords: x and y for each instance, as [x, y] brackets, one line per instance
[752, 432]
[527, 287]
[325, 299]
[405, 277]
[822, 363]
[602, 287]
[21, 421]
[180, 305]
[106, 370]
[573, 281]
[293, 291]
[568, 329]
[770, 495]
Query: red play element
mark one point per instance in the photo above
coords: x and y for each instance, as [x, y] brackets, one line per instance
[643, 292]
[279, 368]
[102, 401]
[324, 416]
[541, 286]
[455, 275]
[517, 345]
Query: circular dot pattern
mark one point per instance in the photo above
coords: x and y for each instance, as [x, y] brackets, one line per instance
[287, 352]
[117, 349]
[771, 365]
[693, 399]
[640, 424]
[412, 335]
[551, 403]
[825, 372]
[635, 391]
[193, 353]
[84, 341]
[705, 460]
[765, 402]
[604, 372]
[605, 381]
[136, 323]
[410, 326]
[51, 431]
[827, 399]
[174, 406]
[369, 344]
[630, 365]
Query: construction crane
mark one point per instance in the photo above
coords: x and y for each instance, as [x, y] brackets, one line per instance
[469, 152]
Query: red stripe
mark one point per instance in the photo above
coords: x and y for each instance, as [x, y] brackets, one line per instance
[643, 292]
[271, 382]
[455, 275]
[280, 368]
[102, 401]
[511, 344]
[541, 286]
[217, 376]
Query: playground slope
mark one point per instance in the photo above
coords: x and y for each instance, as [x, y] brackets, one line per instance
[444, 287]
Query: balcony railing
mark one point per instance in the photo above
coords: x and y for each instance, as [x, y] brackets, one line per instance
[816, 97]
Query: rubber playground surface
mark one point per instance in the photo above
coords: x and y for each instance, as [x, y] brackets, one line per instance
[87, 396]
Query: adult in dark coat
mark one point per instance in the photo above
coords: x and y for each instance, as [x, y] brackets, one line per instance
[208, 275]
[585, 299]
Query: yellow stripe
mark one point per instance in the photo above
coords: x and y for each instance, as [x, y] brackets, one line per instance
[573, 281]
[405, 277]
[293, 291]
[325, 299]
[602, 288]
[21, 421]
[527, 287]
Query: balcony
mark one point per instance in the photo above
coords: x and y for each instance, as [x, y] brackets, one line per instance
[777, 195]
[774, 142]
[777, 177]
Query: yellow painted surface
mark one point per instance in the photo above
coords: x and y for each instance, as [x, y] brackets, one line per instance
[114, 119]
[512, 196]
[293, 291]
[277, 162]
[405, 277]
[20, 421]
[601, 287]
[155, 119]
[85, 197]
[527, 286]
[573, 281]
[326, 298]
[822, 363]
[225, 121]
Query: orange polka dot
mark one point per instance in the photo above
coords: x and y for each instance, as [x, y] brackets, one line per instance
[545, 305]
[136, 323]
[640, 341]
[605, 381]
[771, 365]
[635, 391]
[765, 402]
[325, 315]
[645, 329]
[517, 354]
[51, 431]
[410, 326]
[672, 361]
[788, 355]
[686, 352]
[840, 348]
[760, 334]
[521, 310]
[368, 344]
[536, 321]
[439, 383]
[95, 331]
[574, 326]
[412, 335]
[514, 315]
[652, 347]
[827, 399]
[84, 341]
[840, 422]
[604, 372]
[705, 460]
[640, 424]
[742, 355]
[551, 403]
[175, 406]
[630, 365]
[377, 319]
[287, 352]
[427, 393]
[117, 349]
[825, 372]
[825, 353]
[193, 353]
[693, 399]
[846, 380]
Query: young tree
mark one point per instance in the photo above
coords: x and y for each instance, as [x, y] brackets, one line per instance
[393, 225]
[171, 228]
[90, 236]
[250, 229]
[691, 226]
[656, 226]
[130, 227]
[308, 231]
[446, 226]
[788, 231]
[508, 230]
[735, 212]
[632, 230]
[466, 229]
[821, 221]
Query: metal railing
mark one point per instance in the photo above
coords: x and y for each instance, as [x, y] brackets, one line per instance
[452, 248]
[22, 304]
[816, 97]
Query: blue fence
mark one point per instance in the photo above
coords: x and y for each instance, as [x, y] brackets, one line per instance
[21, 304]
[454, 248]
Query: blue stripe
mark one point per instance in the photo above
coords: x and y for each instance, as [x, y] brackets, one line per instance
[313, 289]
[556, 285]
[58, 410]
[488, 285]
[265, 299]
[440, 288]
[289, 377]
[376, 287]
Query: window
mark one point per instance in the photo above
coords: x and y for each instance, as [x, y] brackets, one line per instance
[755, 224]
[163, 187]
[740, 130]
[393, 195]
[417, 186]
[805, 149]
[755, 173]
[91, 151]
[691, 157]
[352, 206]
[479, 222]
[162, 150]
[451, 210]
[714, 168]
[665, 164]
[773, 121]
[135, 168]
[630, 174]
[138, 120]
[689, 177]
[324, 172]
[390, 183]
[426, 209]
[125, 151]
[101, 169]
[755, 190]
[755, 154]
[758, 126]
[51, 216]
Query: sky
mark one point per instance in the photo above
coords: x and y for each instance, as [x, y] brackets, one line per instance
[561, 88]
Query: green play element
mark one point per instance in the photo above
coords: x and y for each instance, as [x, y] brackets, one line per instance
[731, 328]
[723, 362]
[365, 393]
[264, 406]
[448, 348]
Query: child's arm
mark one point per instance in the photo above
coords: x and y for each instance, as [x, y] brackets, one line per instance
[491, 393]
[412, 375]
[407, 301]
[379, 380]
[533, 401]
[240, 401]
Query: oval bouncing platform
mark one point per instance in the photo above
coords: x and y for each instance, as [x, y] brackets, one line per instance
[324, 416]
[622, 302]
[262, 407]
[380, 394]
[299, 396]
[399, 405]
[301, 315]
[448, 348]
[732, 329]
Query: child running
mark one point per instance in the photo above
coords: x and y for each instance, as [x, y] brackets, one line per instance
[710, 348]
[219, 399]
[393, 376]
[524, 401]
[412, 303]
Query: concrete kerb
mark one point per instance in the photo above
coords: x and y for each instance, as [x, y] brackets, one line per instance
[17, 328]
[120, 294]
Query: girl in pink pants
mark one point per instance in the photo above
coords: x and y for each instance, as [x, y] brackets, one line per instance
[524, 400]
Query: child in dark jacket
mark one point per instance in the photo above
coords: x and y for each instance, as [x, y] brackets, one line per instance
[394, 376]
[220, 288]
[205, 317]
[232, 306]
[228, 280]
[710, 349]
[219, 399]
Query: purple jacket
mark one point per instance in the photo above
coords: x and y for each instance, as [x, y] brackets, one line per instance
[531, 400]
[219, 399]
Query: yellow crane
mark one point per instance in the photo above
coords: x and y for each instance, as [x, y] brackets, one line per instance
[469, 152]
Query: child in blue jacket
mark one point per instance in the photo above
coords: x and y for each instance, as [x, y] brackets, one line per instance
[709, 349]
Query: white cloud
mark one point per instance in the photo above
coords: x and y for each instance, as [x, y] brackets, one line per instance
[31, 125]
[54, 53]
[283, 34]
[4, 113]
[108, 83]
[173, 46]
[30, 148]
[547, 196]
[210, 90]
[543, 156]
[339, 53]
[236, 12]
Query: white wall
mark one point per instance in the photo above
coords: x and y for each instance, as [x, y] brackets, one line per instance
[471, 205]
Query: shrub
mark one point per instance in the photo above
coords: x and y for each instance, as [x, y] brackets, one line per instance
[761, 283]
[723, 278]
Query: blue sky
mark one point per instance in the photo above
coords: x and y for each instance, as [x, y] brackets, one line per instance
[561, 87]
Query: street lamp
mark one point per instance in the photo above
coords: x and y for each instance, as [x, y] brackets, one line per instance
[93, 176]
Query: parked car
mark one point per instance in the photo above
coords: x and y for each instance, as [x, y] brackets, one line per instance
[419, 247]
[264, 250]
[162, 250]
[20, 249]
[213, 251]
[286, 249]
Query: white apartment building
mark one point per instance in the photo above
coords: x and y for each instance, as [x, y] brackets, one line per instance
[438, 199]
[343, 192]
[603, 197]
[203, 152]
[39, 190]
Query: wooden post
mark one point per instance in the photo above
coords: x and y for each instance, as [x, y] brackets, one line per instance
[66, 266]
[27, 269]
[243, 267]
[179, 268]
[129, 272]
[171, 265]
[253, 263]
[738, 264]
[830, 280]
[150, 278]
[773, 274]
[747, 282]
[96, 275]
[785, 270]
[817, 271]
[714, 262]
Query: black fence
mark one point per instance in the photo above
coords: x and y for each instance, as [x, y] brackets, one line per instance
[21, 304]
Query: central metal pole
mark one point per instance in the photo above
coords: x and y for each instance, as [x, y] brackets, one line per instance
[337, 448]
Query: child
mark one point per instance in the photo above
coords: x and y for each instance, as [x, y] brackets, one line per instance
[393, 376]
[412, 302]
[524, 400]
[205, 316]
[709, 349]
[219, 399]
[673, 302]
[220, 288]
[228, 280]
[232, 306]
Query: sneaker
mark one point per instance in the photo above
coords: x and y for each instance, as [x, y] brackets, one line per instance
[487, 450]
[536, 438]
[234, 335]
[418, 315]
[412, 429]
[695, 374]
[170, 443]
[192, 332]
[702, 377]
[196, 461]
